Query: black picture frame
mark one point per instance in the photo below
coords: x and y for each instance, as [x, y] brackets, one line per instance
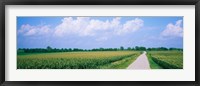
[98, 2]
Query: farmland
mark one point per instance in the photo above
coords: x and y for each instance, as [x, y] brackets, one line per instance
[166, 59]
[77, 60]
[120, 59]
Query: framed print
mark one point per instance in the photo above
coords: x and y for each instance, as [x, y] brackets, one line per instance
[113, 42]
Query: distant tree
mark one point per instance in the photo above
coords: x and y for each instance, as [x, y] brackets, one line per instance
[149, 49]
[133, 48]
[69, 49]
[62, 50]
[143, 48]
[101, 49]
[140, 48]
[137, 48]
[20, 51]
[178, 49]
[121, 48]
[129, 48]
[162, 48]
[115, 49]
[49, 49]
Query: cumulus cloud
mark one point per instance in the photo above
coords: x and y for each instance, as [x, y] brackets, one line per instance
[29, 30]
[85, 26]
[71, 26]
[174, 30]
[131, 26]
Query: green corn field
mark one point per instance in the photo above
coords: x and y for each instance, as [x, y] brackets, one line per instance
[77, 60]
[167, 59]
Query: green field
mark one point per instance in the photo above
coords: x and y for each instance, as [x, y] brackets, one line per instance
[166, 59]
[98, 60]
[77, 60]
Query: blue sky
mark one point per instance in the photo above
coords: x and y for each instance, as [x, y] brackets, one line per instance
[95, 32]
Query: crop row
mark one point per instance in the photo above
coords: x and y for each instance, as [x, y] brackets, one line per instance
[168, 59]
[71, 60]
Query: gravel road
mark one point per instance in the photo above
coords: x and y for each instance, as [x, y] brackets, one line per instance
[140, 63]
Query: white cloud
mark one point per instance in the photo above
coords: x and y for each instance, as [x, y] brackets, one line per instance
[94, 26]
[71, 26]
[131, 26]
[174, 30]
[85, 26]
[29, 30]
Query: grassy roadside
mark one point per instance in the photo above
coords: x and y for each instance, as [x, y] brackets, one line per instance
[153, 65]
[121, 64]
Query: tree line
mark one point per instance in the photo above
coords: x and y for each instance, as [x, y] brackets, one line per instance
[50, 49]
